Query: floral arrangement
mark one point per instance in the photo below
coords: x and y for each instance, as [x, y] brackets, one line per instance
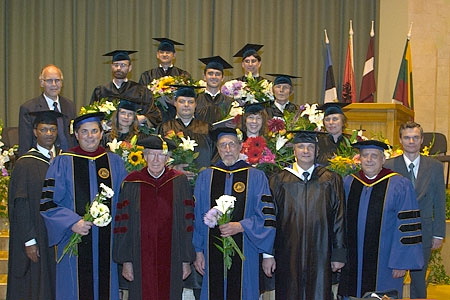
[4, 175]
[346, 159]
[219, 215]
[252, 91]
[184, 153]
[130, 153]
[311, 118]
[277, 142]
[258, 154]
[162, 86]
[97, 212]
[103, 105]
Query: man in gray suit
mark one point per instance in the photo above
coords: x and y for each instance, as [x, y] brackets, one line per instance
[427, 176]
[51, 80]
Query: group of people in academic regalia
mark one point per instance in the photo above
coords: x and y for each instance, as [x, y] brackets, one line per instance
[297, 228]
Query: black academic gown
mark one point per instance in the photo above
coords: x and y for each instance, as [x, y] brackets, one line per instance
[148, 76]
[211, 109]
[130, 90]
[26, 279]
[274, 111]
[197, 130]
[310, 233]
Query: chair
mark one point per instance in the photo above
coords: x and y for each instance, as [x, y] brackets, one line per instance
[10, 136]
[439, 149]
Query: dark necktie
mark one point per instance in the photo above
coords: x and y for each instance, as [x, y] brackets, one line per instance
[411, 174]
[305, 176]
[61, 136]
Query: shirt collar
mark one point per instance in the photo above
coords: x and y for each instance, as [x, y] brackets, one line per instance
[416, 163]
[281, 107]
[185, 124]
[50, 101]
[156, 177]
[45, 151]
[118, 86]
[171, 66]
[212, 95]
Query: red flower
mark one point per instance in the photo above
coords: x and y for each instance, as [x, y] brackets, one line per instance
[254, 154]
[257, 142]
[276, 125]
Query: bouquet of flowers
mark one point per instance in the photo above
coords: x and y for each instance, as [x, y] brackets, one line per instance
[346, 159]
[184, 153]
[278, 142]
[311, 118]
[97, 212]
[257, 153]
[130, 153]
[252, 91]
[162, 86]
[219, 215]
[103, 105]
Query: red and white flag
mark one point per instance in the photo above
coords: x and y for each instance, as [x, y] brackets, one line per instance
[368, 86]
[349, 85]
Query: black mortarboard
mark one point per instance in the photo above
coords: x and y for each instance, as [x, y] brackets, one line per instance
[248, 50]
[331, 108]
[217, 133]
[45, 117]
[370, 144]
[282, 78]
[304, 136]
[157, 142]
[129, 104]
[120, 54]
[253, 108]
[91, 117]
[216, 63]
[185, 90]
[167, 44]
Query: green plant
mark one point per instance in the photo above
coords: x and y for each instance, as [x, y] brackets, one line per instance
[436, 268]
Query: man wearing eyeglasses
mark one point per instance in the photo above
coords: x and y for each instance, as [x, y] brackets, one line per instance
[51, 81]
[122, 88]
[252, 225]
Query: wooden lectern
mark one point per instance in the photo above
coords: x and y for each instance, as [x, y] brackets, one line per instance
[376, 118]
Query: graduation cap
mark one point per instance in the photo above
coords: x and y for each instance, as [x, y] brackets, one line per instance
[370, 144]
[331, 108]
[304, 136]
[253, 108]
[216, 63]
[185, 90]
[120, 54]
[91, 117]
[282, 78]
[45, 117]
[166, 44]
[157, 142]
[248, 50]
[129, 104]
[217, 133]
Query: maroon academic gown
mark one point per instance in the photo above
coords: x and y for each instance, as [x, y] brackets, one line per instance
[153, 230]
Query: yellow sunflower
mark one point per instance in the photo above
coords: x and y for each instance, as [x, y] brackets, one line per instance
[136, 158]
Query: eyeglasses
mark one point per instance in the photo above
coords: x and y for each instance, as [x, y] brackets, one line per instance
[121, 65]
[51, 81]
[232, 145]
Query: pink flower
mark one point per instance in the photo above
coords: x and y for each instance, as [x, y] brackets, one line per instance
[4, 172]
[267, 157]
[211, 217]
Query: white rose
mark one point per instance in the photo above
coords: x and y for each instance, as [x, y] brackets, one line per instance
[224, 203]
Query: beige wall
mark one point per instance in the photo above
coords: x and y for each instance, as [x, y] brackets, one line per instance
[430, 45]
